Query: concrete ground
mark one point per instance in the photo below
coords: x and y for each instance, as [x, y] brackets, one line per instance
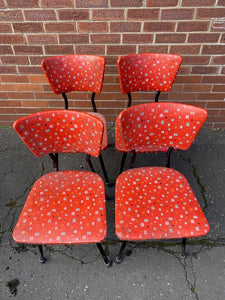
[150, 270]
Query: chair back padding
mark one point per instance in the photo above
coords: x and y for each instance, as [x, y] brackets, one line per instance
[61, 131]
[160, 124]
[69, 73]
[148, 71]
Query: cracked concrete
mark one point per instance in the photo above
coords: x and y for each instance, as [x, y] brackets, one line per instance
[151, 269]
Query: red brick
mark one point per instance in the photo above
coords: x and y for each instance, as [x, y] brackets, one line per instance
[209, 13]
[219, 88]
[28, 87]
[6, 49]
[188, 79]
[218, 26]
[2, 4]
[40, 15]
[181, 96]
[185, 49]
[59, 104]
[8, 70]
[42, 39]
[105, 38]
[5, 28]
[91, 3]
[73, 38]
[204, 70]
[159, 26]
[177, 14]
[213, 49]
[40, 103]
[60, 27]
[47, 95]
[184, 70]
[23, 3]
[7, 111]
[222, 40]
[25, 49]
[11, 39]
[164, 3]
[38, 79]
[213, 79]
[125, 26]
[220, 3]
[111, 69]
[21, 95]
[196, 60]
[215, 104]
[28, 27]
[73, 14]
[211, 96]
[137, 39]
[14, 78]
[57, 3]
[203, 38]
[194, 3]
[218, 60]
[9, 103]
[28, 111]
[169, 38]
[111, 88]
[143, 14]
[36, 60]
[189, 26]
[58, 49]
[92, 27]
[14, 60]
[11, 15]
[153, 48]
[7, 87]
[30, 70]
[197, 88]
[108, 14]
[120, 50]
[223, 70]
[8, 118]
[90, 49]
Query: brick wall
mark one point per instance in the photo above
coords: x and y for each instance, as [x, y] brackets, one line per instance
[31, 30]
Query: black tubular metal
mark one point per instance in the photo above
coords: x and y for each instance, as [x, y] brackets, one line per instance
[93, 102]
[104, 170]
[65, 100]
[168, 154]
[42, 259]
[133, 158]
[129, 100]
[183, 248]
[55, 159]
[104, 256]
[120, 256]
[157, 96]
[123, 162]
[88, 159]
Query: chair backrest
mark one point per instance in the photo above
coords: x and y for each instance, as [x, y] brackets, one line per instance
[161, 124]
[61, 131]
[69, 73]
[148, 71]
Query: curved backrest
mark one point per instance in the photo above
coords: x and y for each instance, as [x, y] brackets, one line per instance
[148, 71]
[162, 124]
[68, 73]
[61, 131]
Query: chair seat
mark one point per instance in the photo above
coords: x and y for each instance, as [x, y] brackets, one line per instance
[65, 207]
[105, 134]
[157, 203]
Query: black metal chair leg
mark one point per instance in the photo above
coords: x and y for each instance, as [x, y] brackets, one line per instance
[42, 259]
[120, 256]
[123, 162]
[107, 183]
[183, 248]
[106, 260]
[168, 154]
[88, 159]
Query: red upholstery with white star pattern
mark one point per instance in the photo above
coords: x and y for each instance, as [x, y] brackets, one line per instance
[157, 203]
[154, 127]
[148, 71]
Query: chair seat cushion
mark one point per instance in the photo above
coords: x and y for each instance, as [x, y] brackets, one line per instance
[65, 207]
[157, 203]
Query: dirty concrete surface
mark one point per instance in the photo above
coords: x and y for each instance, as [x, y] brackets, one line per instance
[151, 269]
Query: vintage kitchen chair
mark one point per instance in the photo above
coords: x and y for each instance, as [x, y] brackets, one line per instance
[78, 73]
[64, 207]
[157, 202]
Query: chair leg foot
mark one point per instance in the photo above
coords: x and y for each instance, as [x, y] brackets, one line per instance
[42, 259]
[183, 248]
[120, 256]
[107, 261]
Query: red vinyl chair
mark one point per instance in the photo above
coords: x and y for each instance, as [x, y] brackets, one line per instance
[147, 72]
[78, 73]
[157, 202]
[64, 207]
